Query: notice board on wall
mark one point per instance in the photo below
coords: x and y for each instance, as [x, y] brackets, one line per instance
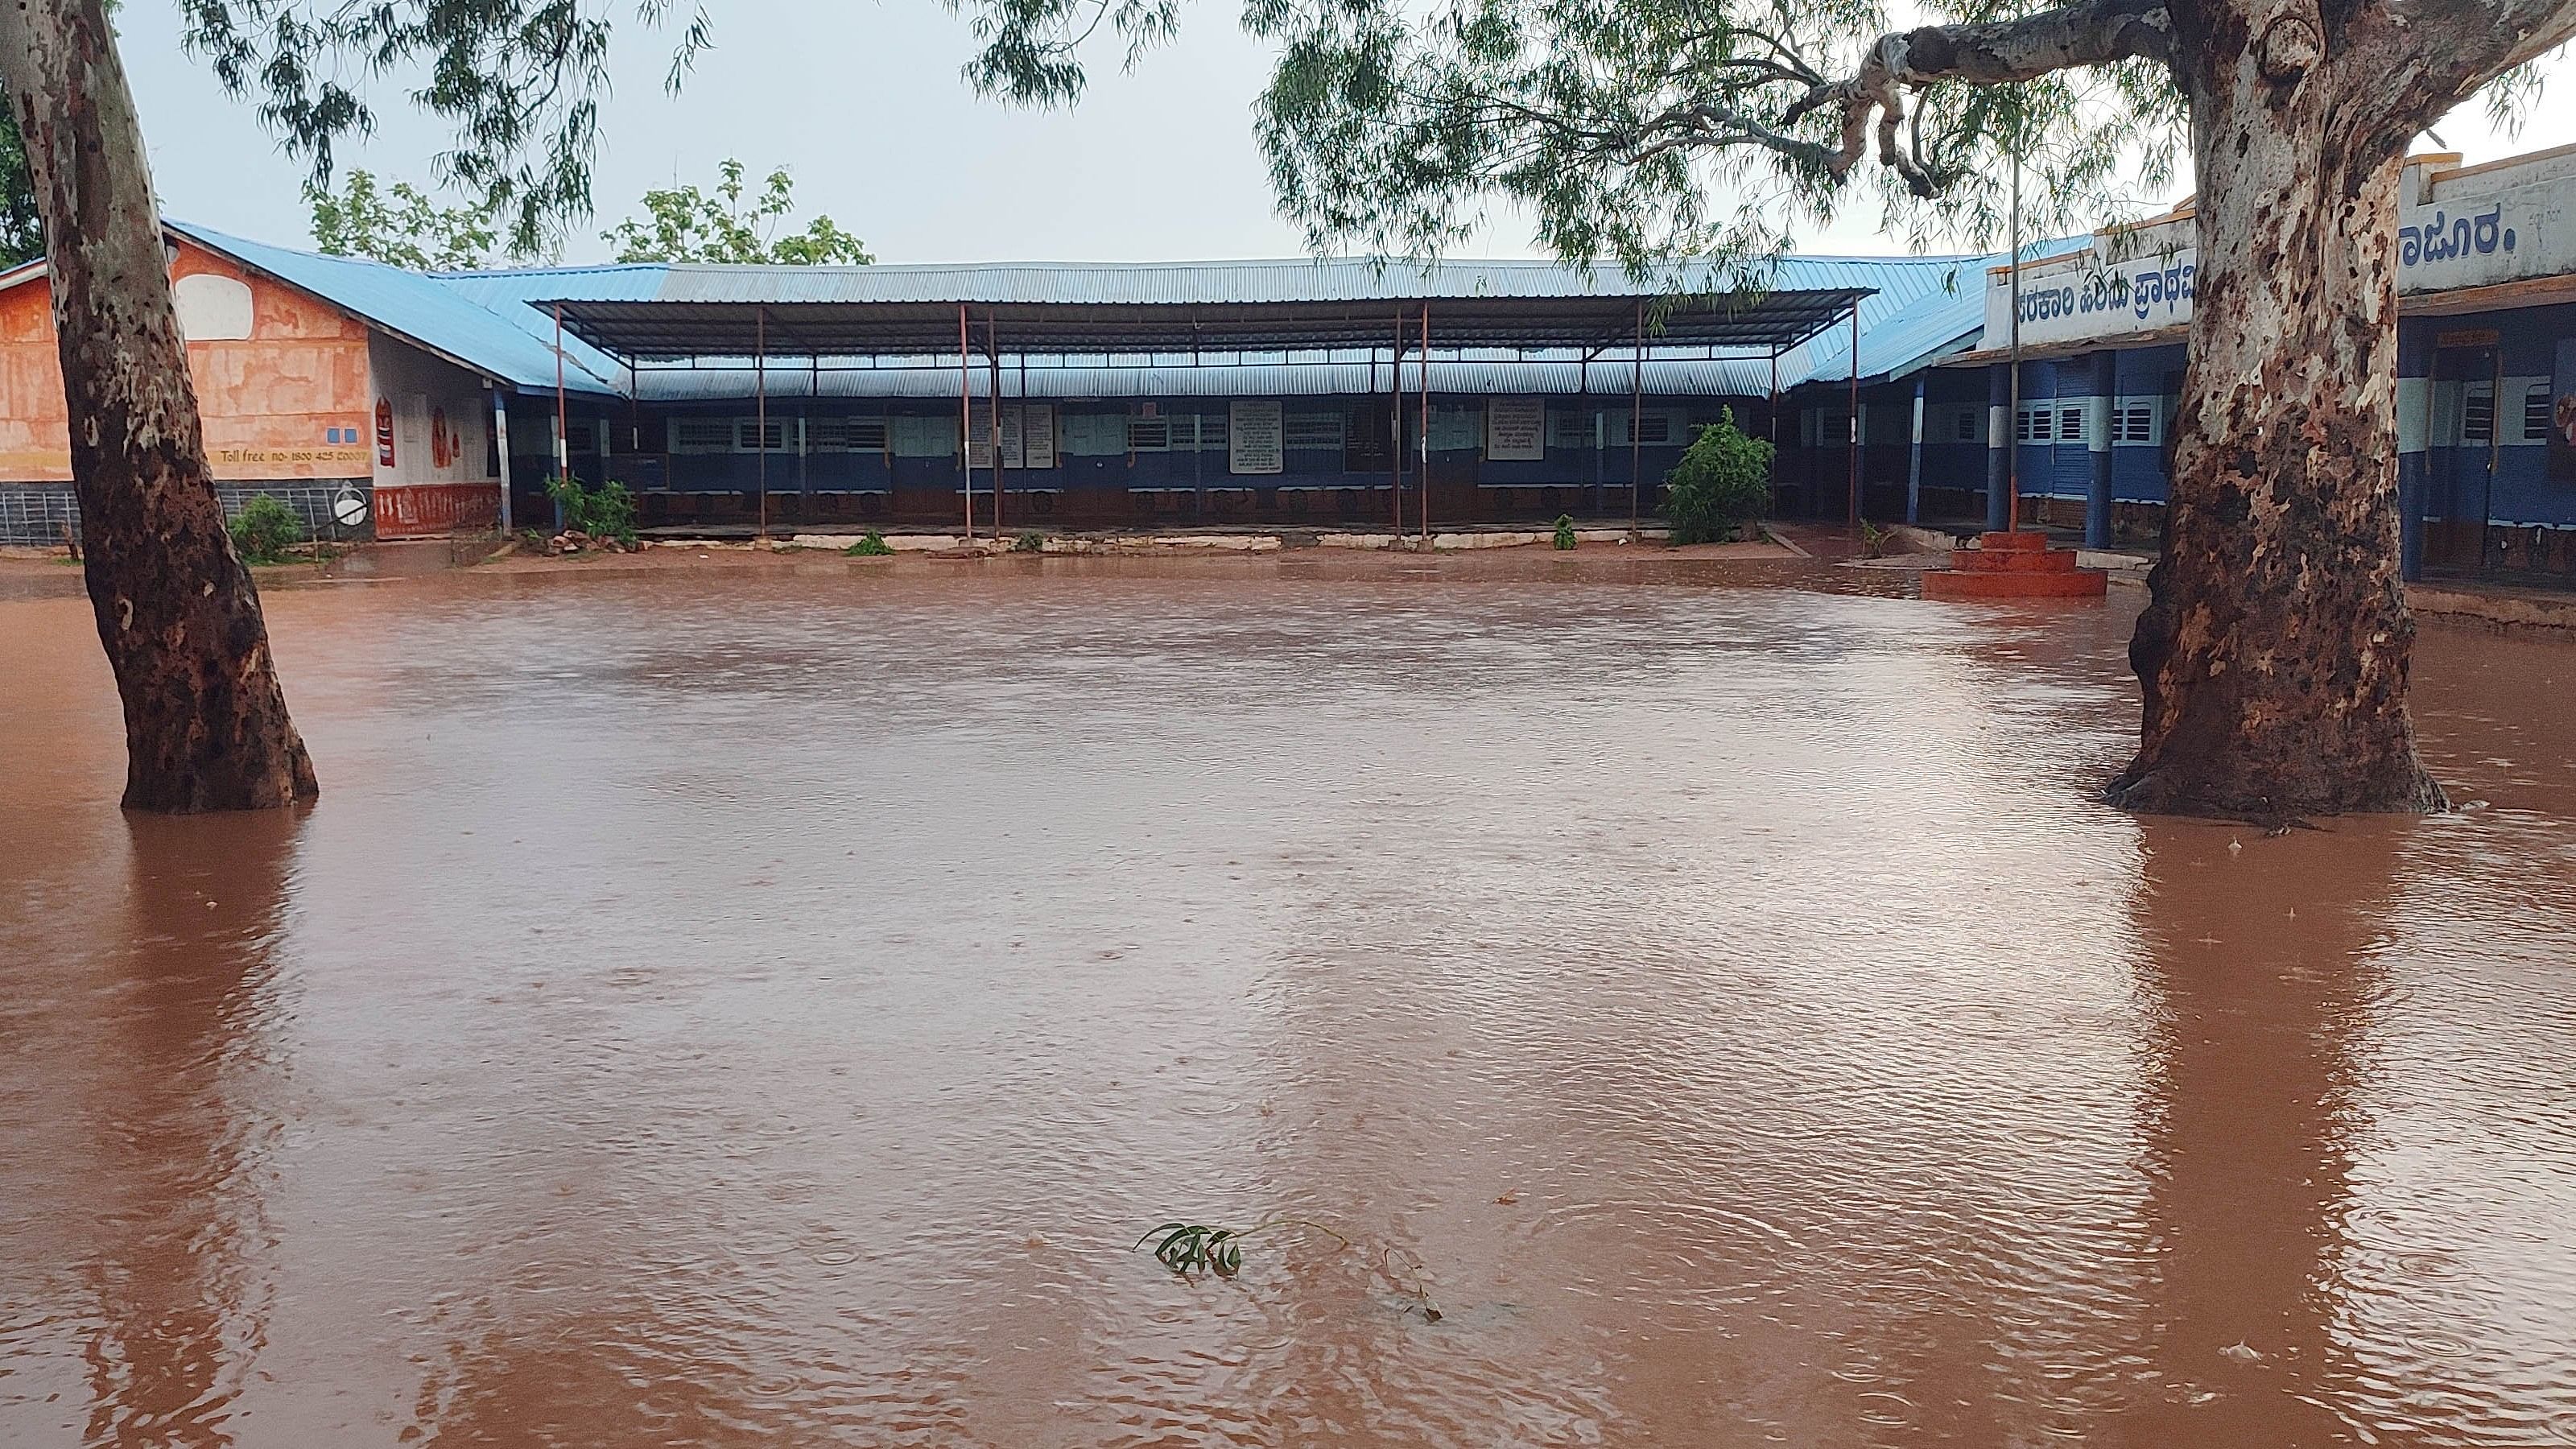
[1037, 436]
[1516, 430]
[1255, 438]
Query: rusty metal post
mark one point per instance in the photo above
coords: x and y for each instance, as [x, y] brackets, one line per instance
[760, 407]
[1422, 510]
[563, 419]
[1774, 418]
[500, 446]
[1637, 428]
[993, 416]
[1395, 422]
[965, 420]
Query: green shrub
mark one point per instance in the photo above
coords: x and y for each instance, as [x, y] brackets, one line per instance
[1722, 483]
[1029, 543]
[1565, 532]
[607, 511]
[873, 545]
[265, 529]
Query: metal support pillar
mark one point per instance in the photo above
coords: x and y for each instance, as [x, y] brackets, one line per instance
[966, 420]
[2012, 450]
[760, 407]
[1914, 459]
[2414, 426]
[2000, 422]
[1851, 440]
[1395, 422]
[563, 417]
[1422, 508]
[1637, 428]
[501, 449]
[2097, 443]
[993, 415]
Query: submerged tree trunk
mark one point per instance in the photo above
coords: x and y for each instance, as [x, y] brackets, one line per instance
[2273, 655]
[206, 726]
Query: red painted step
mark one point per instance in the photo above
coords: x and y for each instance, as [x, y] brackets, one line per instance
[2013, 560]
[2014, 565]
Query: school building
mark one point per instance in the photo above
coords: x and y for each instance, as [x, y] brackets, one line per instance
[2486, 397]
[385, 403]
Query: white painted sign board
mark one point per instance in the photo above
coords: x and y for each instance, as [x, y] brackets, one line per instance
[1516, 430]
[1255, 438]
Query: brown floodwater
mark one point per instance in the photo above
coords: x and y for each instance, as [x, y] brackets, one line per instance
[764, 1006]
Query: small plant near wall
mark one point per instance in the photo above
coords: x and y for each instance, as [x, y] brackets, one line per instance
[264, 530]
[1565, 532]
[1722, 483]
[607, 511]
[872, 545]
[1029, 543]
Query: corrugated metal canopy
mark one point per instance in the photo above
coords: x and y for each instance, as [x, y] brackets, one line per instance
[704, 311]
[419, 310]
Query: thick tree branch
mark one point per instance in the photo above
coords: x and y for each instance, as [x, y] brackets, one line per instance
[2098, 32]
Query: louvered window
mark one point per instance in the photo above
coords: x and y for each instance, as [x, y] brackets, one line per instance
[1149, 435]
[1314, 430]
[2535, 413]
[2478, 414]
[701, 435]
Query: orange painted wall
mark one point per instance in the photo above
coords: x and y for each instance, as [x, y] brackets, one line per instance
[270, 403]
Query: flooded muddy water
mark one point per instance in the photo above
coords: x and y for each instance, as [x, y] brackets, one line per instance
[764, 1007]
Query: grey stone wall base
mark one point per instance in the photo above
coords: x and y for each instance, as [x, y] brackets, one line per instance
[37, 515]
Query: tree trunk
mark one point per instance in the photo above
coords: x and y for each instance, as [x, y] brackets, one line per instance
[205, 723]
[2274, 652]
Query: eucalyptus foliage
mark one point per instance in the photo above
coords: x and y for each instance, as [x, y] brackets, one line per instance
[1634, 130]
[518, 81]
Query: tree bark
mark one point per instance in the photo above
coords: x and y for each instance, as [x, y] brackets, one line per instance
[206, 726]
[2273, 655]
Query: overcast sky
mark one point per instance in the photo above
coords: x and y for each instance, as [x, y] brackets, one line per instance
[863, 103]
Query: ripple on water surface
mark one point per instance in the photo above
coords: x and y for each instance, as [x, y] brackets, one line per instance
[767, 1010]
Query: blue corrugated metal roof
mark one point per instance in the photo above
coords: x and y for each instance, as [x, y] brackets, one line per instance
[1920, 309]
[512, 293]
[1608, 378]
[419, 309]
[1218, 283]
[1926, 308]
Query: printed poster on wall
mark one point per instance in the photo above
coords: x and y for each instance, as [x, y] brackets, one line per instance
[2562, 416]
[1516, 430]
[1255, 438]
[1037, 435]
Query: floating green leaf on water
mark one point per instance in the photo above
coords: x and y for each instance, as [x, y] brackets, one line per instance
[1188, 1248]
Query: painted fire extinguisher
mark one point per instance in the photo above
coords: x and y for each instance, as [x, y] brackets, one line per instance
[384, 433]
